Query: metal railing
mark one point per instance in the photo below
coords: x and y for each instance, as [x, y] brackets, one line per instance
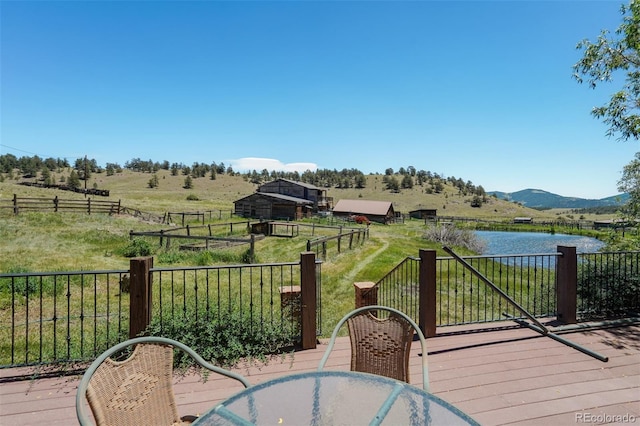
[208, 293]
[462, 298]
[61, 316]
[607, 285]
[67, 317]
[527, 279]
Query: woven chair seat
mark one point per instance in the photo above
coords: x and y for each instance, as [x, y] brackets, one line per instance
[139, 389]
[379, 345]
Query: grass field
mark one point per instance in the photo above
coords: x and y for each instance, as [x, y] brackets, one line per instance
[39, 242]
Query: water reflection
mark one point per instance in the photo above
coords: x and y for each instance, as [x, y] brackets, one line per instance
[525, 243]
[501, 242]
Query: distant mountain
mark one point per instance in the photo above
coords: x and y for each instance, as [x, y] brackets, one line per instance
[539, 199]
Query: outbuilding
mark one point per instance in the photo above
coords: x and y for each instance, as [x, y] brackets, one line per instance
[426, 214]
[523, 220]
[266, 205]
[375, 211]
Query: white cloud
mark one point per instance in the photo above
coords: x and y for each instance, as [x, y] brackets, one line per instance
[248, 164]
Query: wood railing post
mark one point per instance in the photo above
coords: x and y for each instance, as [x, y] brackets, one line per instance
[427, 296]
[290, 301]
[567, 285]
[139, 295]
[308, 299]
[366, 294]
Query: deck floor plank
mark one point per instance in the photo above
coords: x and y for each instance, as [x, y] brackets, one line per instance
[500, 375]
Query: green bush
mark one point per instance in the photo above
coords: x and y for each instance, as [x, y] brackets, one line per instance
[224, 337]
[137, 247]
[605, 290]
[202, 258]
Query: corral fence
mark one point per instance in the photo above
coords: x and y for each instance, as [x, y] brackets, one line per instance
[440, 291]
[63, 187]
[68, 317]
[203, 237]
[198, 216]
[89, 205]
[344, 240]
[145, 216]
[25, 204]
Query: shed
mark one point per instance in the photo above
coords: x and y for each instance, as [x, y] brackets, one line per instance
[375, 211]
[272, 206]
[426, 214]
[523, 220]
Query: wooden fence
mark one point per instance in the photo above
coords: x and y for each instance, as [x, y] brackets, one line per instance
[22, 204]
[199, 216]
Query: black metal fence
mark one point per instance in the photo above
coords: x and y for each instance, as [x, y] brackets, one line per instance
[61, 316]
[266, 295]
[73, 316]
[65, 317]
[608, 285]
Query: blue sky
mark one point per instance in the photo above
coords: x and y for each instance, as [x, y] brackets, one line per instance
[479, 90]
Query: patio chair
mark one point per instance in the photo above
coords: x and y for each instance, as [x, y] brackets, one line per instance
[380, 345]
[137, 390]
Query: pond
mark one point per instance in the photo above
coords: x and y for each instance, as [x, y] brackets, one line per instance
[502, 242]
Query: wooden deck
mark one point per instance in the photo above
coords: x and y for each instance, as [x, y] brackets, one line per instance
[504, 375]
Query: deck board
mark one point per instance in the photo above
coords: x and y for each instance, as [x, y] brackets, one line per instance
[500, 375]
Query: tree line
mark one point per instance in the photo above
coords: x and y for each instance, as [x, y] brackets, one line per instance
[83, 168]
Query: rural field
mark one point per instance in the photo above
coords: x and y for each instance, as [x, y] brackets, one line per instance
[39, 241]
[73, 241]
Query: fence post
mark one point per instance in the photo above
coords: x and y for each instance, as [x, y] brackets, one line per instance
[15, 204]
[366, 294]
[139, 294]
[567, 285]
[308, 296]
[427, 293]
[252, 249]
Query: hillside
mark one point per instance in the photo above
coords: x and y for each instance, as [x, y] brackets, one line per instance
[131, 188]
[539, 199]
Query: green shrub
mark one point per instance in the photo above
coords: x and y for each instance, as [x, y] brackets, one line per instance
[202, 258]
[193, 197]
[137, 247]
[605, 290]
[224, 337]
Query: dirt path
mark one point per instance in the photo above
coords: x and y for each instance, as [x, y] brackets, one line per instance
[349, 277]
